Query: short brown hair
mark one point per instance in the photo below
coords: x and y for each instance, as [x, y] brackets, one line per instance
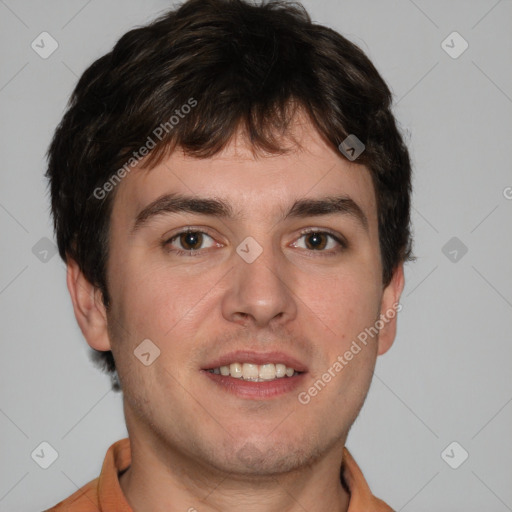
[244, 65]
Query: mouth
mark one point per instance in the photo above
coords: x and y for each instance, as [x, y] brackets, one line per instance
[258, 376]
[255, 372]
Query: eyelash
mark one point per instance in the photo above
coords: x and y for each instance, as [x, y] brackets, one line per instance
[198, 252]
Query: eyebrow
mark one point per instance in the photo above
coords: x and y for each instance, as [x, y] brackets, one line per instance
[302, 208]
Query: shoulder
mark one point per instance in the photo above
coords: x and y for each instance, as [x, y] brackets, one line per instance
[83, 500]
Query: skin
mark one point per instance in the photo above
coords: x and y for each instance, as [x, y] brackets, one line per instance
[194, 444]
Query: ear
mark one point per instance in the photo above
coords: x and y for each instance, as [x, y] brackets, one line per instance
[389, 309]
[89, 309]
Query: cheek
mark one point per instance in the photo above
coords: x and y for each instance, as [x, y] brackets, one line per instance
[152, 304]
[155, 299]
[352, 305]
[345, 303]
[166, 306]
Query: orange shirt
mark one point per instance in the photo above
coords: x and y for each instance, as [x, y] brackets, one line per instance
[104, 493]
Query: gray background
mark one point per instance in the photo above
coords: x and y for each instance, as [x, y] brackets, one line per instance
[448, 376]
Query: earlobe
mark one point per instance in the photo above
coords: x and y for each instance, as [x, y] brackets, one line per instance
[88, 306]
[389, 309]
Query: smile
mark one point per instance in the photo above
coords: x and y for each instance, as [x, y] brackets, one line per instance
[255, 372]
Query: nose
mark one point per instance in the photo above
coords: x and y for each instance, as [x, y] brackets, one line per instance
[259, 293]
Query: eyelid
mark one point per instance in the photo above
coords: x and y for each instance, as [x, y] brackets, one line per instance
[188, 229]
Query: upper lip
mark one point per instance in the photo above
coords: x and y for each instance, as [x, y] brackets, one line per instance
[247, 356]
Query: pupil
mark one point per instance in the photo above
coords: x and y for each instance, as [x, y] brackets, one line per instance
[191, 240]
[316, 241]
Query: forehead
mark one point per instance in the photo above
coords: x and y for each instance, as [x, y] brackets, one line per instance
[255, 185]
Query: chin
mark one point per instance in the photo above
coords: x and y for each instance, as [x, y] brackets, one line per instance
[266, 456]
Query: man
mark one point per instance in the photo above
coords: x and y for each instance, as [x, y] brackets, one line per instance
[231, 196]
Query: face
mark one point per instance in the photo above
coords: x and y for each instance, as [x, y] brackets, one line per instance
[280, 266]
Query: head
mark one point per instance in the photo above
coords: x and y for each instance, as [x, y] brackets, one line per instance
[225, 118]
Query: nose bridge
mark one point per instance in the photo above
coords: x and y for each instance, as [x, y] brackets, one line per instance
[259, 291]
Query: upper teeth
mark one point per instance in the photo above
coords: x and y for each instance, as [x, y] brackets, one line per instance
[255, 372]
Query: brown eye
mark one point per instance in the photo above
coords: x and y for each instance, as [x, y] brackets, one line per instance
[316, 241]
[191, 240]
[320, 241]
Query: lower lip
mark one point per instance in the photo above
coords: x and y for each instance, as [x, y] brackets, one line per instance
[257, 390]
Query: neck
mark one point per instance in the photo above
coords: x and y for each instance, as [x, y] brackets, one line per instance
[164, 479]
